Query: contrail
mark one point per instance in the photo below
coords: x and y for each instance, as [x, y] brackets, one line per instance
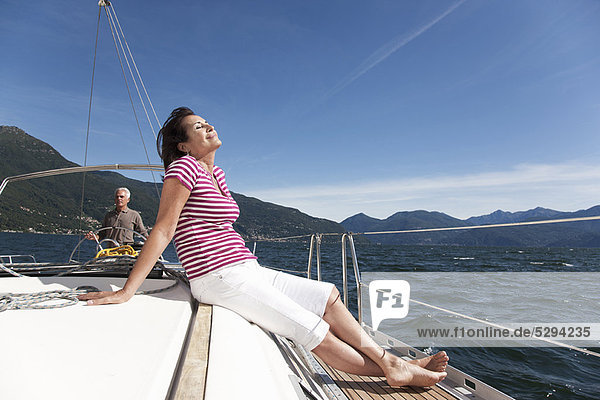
[386, 50]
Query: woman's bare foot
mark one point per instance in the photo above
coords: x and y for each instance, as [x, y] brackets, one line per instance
[402, 373]
[436, 362]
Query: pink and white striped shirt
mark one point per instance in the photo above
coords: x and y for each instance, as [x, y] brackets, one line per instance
[205, 239]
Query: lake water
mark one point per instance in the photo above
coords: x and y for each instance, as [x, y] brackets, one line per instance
[522, 372]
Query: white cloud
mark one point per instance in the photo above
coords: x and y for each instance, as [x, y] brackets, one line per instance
[565, 186]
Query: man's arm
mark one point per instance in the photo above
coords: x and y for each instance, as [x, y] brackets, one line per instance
[103, 234]
[138, 225]
[173, 198]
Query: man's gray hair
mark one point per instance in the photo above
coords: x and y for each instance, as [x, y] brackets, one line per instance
[123, 189]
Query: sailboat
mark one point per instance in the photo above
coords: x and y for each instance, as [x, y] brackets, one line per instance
[163, 344]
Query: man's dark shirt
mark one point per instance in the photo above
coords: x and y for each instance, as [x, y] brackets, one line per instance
[127, 218]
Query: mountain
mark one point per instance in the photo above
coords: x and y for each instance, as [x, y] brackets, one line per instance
[259, 219]
[53, 204]
[360, 223]
[504, 217]
[572, 234]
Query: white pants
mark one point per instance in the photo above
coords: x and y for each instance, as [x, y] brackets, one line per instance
[285, 304]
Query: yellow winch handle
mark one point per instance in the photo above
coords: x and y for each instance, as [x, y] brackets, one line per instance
[125, 250]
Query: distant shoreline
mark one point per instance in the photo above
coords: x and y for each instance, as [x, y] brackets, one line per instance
[40, 233]
[437, 245]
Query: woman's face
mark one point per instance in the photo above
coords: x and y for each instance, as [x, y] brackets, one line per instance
[202, 137]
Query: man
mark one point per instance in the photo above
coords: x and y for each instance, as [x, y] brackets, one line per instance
[121, 216]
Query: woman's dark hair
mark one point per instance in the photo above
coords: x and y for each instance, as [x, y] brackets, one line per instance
[171, 134]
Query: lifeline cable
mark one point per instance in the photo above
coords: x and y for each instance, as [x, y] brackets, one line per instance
[554, 342]
[454, 228]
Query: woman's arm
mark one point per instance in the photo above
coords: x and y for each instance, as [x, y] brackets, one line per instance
[173, 198]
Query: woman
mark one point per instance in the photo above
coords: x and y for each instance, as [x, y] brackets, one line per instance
[196, 208]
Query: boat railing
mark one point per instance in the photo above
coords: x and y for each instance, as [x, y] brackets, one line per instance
[315, 250]
[315, 239]
[347, 238]
[11, 257]
[73, 170]
[315, 247]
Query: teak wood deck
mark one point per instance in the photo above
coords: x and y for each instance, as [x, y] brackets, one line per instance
[192, 377]
[193, 374]
[358, 387]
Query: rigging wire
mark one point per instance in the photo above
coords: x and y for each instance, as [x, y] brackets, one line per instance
[87, 135]
[138, 74]
[121, 38]
[113, 31]
[116, 28]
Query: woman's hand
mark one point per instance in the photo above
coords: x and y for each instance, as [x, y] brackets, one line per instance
[173, 198]
[97, 298]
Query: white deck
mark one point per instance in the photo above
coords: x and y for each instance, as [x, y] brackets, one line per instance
[125, 351]
[245, 363]
[130, 350]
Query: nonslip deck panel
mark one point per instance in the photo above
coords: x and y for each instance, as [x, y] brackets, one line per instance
[130, 349]
[358, 387]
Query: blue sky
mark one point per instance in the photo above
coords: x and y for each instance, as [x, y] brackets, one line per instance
[335, 107]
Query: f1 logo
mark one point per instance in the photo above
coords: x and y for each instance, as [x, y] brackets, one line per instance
[389, 300]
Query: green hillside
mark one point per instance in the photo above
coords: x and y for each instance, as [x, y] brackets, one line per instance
[53, 204]
[259, 219]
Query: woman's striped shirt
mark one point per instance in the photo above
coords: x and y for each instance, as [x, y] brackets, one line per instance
[204, 238]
